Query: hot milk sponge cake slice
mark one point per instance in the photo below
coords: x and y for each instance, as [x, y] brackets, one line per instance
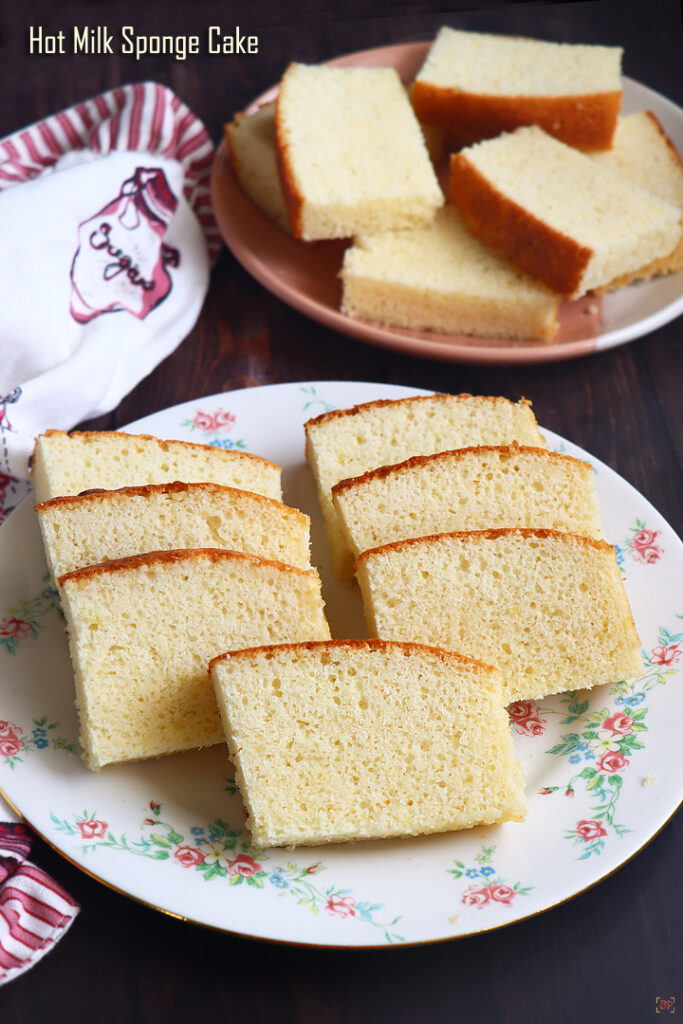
[644, 154]
[468, 489]
[558, 215]
[354, 739]
[71, 463]
[440, 277]
[351, 153]
[478, 85]
[548, 608]
[251, 140]
[142, 630]
[91, 528]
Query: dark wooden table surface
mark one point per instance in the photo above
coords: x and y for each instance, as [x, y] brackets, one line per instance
[607, 954]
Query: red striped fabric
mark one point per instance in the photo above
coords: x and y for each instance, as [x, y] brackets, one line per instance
[144, 117]
[34, 910]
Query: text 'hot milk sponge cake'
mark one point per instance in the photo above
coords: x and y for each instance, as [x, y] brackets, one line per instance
[91, 528]
[70, 463]
[548, 608]
[348, 442]
[353, 739]
[143, 629]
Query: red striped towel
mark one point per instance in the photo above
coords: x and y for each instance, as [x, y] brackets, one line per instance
[145, 117]
[34, 911]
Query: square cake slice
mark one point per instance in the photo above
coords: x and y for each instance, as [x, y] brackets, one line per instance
[351, 740]
[644, 154]
[251, 141]
[106, 525]
[351, 154]
[442, 278]
[143, 629]
[477, 85]
[558, 215]
[548, 608]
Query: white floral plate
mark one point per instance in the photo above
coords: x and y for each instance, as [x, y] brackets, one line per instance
[604, 768]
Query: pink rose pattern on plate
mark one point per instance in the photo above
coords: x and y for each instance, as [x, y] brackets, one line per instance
[218, 851]
[642, 545]
[489, 889]
[20, 621]
[525, 718]
[606, 743]
[16, 745]
[214, 425]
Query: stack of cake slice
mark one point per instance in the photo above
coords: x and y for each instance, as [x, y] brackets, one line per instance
[157, 575]
[493, 551]
[349, 442]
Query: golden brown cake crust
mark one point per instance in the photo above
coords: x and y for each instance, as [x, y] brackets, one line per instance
[665, 137]
[177, 555]
[545, 254]
[379, 402]
[586, 121]
[664, 265]
[293, 198]
[165, 445]
[457, 453]
[506, 531]
[368, 645]
[177, 487]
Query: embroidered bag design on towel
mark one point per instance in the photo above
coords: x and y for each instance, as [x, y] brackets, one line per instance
[122, 261]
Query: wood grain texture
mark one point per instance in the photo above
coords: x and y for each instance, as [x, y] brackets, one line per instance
[608, 953]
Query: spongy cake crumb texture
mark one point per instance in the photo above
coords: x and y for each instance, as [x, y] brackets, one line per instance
[548, 608]
[351, 153]
[251, 138]
[99, 527]
[442, 278]
[350, 442]
[470, 489]
[497, 65]
[353, 740]
[476, 85]
[71, 463]
[643, 153]
[142, 631]
[567, 209]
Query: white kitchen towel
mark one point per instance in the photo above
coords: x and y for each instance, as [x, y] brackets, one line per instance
[106, 241]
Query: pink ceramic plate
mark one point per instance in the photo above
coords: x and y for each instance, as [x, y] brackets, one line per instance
[304, 274]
